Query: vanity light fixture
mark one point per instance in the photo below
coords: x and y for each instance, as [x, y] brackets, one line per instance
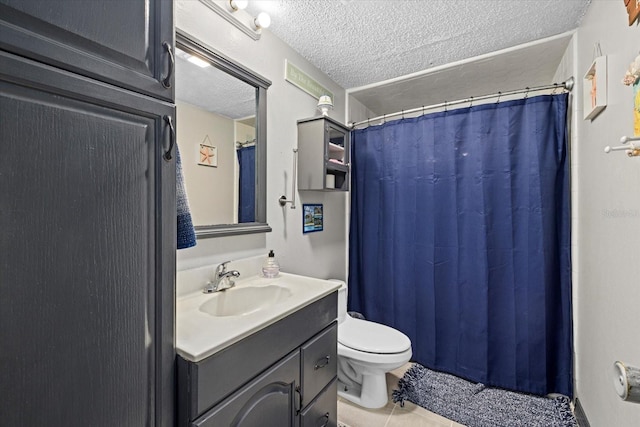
[263, 20]
[325, 104]
[232, 12]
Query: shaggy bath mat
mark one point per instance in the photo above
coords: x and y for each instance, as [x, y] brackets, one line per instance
[476, 405]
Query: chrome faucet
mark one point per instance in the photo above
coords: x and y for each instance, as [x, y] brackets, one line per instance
[222, 279]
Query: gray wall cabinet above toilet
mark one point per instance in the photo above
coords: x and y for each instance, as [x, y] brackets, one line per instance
[323, 153]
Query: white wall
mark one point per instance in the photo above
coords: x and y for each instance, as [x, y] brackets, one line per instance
[210, 189]
[606, 219]
[320, 254]
[357, 111]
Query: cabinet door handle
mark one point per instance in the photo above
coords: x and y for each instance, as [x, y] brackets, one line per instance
[172, 138]
[325, 417]
[299, 402]
[321, 363]
[166, 82]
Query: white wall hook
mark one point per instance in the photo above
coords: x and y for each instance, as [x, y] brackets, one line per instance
[626, 139]
[632, 150]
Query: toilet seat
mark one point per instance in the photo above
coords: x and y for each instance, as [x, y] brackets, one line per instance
[375, 359]
[370, 337]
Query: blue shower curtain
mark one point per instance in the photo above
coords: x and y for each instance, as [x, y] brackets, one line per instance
[460, 238]
[247, 184]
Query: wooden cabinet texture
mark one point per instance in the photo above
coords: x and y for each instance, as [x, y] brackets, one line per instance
[127, 43]
[87, 222]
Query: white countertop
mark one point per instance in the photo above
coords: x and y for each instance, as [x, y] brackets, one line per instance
[199, 334]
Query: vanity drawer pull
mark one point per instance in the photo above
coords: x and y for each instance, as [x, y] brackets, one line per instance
[299, 402]
[325, 417]
[321, 363]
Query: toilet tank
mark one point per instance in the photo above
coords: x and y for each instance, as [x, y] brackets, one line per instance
[342, 300]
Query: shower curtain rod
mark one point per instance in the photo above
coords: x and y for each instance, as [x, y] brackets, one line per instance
[567, 85]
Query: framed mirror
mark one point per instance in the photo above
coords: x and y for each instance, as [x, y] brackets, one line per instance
[221, 110]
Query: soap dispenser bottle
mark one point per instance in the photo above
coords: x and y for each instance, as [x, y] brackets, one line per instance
[270, 267]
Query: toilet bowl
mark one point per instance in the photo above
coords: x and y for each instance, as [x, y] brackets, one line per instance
[366, 352]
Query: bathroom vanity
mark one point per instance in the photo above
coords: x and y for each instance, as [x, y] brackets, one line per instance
[270, 366]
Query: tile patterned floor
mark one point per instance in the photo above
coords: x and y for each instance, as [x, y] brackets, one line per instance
[392, 415]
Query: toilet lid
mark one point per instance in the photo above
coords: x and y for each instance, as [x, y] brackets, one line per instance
[372, 337]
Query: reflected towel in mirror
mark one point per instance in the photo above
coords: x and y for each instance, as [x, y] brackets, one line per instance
[186, 233]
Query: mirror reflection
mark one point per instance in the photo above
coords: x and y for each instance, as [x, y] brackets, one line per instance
[217, 134]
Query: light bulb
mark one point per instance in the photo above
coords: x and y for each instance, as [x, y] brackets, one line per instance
[238, 4]
[263, 20]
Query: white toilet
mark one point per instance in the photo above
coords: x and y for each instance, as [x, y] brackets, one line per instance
[366, 352]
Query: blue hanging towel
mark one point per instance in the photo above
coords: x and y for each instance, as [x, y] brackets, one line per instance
[186, 233]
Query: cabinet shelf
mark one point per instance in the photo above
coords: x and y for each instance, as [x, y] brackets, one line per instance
[336, 167]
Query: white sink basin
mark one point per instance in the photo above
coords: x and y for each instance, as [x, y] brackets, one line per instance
[207, 323]
[243, 301]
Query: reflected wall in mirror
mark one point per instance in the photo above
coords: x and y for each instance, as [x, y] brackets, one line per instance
[221, 131]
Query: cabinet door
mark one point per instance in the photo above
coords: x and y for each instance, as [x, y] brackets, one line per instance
[116, 41]
[87, 236]
[269, 400]
[337, 156]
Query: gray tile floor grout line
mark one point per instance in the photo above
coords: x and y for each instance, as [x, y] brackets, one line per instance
[390, 415]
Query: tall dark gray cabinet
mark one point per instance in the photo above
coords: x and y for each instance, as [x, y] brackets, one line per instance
[87, 213]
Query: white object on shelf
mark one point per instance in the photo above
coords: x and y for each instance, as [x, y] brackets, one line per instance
[336, 151]
[330, 181]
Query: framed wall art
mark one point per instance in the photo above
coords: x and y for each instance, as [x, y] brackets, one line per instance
[594, 88]
[208, 154]
[312, 218]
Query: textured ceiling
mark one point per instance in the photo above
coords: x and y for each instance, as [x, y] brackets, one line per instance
[360, 42]
[527, 66]
[213, 90]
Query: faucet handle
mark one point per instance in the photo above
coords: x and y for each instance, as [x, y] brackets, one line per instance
[222, 268]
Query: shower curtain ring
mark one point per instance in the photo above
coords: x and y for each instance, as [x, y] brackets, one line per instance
[423, 110]
[555, 89]
[526, 95]
[499, 95]
[402, 114]
[470, 101]
[445, 106]
[384, 119]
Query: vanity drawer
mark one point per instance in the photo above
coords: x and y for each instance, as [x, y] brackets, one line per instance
[319, 362]
[323, 412]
